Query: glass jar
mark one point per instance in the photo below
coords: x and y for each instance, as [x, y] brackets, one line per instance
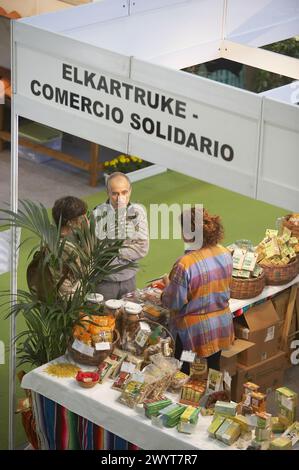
[113, 307]
[131, 315]
[95, 302]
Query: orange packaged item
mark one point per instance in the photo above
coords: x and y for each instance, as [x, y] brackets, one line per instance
[152, 311]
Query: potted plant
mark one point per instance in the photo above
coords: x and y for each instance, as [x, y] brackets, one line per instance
[136, 168]
[50, 316]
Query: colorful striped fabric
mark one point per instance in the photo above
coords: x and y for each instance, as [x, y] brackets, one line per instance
[198, 295]
[60, 429]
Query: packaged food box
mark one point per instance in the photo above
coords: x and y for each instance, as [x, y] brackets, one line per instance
[190, 415]
[171, 414]
[192, 392]
[281, 443]
[215, 425]
[292, 433]
[277, 426]
[153, 408]
[263, 434]
[231, 434]
[188, 420]
[258, 401]
[263, 420]
[226, 408]
[250, 387]
[223, 428]
[243, 422]
[286, 401]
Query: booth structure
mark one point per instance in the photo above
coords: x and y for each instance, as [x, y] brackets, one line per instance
[110, 72]
[16, 8]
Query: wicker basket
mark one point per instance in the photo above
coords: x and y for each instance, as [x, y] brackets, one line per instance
[279, 275]
[98, 357]
[166, 333]
[294, 228]
[247, 288]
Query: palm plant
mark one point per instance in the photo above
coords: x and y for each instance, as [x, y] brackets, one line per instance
[49, 315]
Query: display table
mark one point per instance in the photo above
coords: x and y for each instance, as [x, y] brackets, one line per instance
[99, 405]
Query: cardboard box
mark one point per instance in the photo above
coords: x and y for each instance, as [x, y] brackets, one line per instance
[280, 302]
[229, 358]
[258, 325]
[268, 374]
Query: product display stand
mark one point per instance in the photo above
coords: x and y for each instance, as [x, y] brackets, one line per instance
[131, 95]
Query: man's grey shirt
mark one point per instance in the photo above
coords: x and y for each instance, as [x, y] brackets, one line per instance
[128, 223]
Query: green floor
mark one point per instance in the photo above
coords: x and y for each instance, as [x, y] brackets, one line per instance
[242, 218]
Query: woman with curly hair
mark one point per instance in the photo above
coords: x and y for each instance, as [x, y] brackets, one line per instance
[198, 290]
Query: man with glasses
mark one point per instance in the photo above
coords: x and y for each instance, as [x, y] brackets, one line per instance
[119, 218]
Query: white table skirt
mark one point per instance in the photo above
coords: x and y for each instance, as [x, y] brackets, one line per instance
[100, 405]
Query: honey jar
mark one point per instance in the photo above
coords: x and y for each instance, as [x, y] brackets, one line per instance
[131, 317]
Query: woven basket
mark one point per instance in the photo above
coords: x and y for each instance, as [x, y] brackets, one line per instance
[98, 357]
[247, 288]
[168, 333]
[294, 228]
[279, 275]
[88, 384]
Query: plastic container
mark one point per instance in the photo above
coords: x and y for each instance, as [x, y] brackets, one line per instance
[41, 135]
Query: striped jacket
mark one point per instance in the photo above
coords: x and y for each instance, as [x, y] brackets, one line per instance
[199, 282]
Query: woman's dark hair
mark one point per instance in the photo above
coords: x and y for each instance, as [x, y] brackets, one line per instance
[211, 226]
[68, 208]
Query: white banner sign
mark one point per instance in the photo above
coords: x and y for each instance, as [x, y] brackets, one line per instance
[167, 119]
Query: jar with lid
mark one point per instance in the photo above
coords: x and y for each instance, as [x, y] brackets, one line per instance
[93, 300]
[132, 313]
[114, 307]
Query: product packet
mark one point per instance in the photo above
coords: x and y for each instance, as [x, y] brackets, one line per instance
[105, 369]
[153, 408]
[231, 434]
[215, 425]
[120, 381]
[224, 408]
[188, 420]
[292, 432]
[215, 381]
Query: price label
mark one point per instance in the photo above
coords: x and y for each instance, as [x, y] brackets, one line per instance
[188, 356]
[247, 401]
[128, 367]
[287, 403]
[270, 333]
[102, 346]
[83, 348]
[227, 379]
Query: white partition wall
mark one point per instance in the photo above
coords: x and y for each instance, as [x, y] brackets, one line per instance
[259, 22]
[279, 155]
